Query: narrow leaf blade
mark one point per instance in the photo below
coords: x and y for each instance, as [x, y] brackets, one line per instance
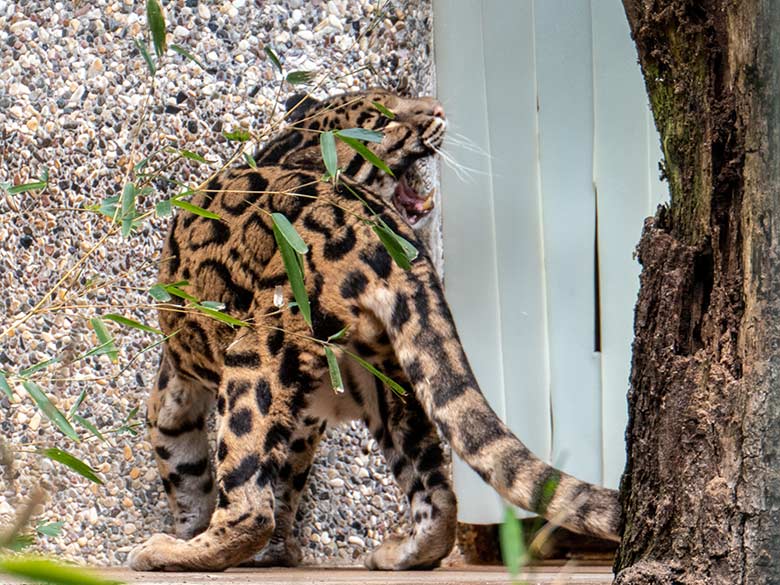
[52, 529]
[163, 208]
[159, 293]
[272, 56]
[289, 232]
[4, 386]
[511, 540]
[250, 160]
[294, 274]
[128, 209]
[362, 134]
[389, 382]
[339, 334]
[187, 55]
[51, 411]
[72, 462]
[105, 339]
[383, 110]
[156, 22]
[88, 425]
[148, 58]
[363, 151]
[238, 135]
[222, 317]
[127, 322]
[187, 206]
[329, 155]
[298, 77]
[26, 372]
[188, 154]
[392, 246]
[34, 186]
[45, 571]
[335, 372]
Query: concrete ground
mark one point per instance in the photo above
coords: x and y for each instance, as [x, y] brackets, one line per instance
[468, 575]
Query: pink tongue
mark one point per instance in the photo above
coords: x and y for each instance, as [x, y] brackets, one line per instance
[408, 196]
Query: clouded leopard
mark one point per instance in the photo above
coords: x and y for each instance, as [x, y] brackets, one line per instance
[270, 382]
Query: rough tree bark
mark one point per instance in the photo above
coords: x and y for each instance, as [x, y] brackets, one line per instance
[701, 492]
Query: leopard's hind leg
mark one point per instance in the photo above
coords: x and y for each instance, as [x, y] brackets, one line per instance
[414, 453]
[176, 412]
[257, 411]
[283, 550]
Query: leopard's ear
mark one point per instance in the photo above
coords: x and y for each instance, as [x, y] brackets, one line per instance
[300, 104]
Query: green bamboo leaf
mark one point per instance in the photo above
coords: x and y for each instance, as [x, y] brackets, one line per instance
[194, 156]
[149, 63]
[175, 290]
[338, 334]
[127, 322]
[187, 206]
[361, 134]
[297, 77]
[52, 529]
[88, 425]
[512, 545]
[105, 339]
[159, 293]
[289, 233]
[4, 386]
[51, 411]
[383, 110]
[272, 56]
[43, 570]
[222, 317]
[19, 542]
[363, 151]
[128, 209]
[389, 382]
[250, 160]
[35, 186]
[163, 208]
[408, 248]
[335, 372]
[79, 400]
[156, 22]
[329, 155]
[216, 305]
[186, 54]
[294, 274]
[392, 245]
[37, 367]
[237, 135]
[72, 462]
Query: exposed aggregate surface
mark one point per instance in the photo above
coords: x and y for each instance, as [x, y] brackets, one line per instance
[72, 91]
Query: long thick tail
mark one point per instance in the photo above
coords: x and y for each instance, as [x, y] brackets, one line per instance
[427, 345]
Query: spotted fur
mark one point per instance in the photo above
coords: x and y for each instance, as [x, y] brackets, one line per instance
[269, 382]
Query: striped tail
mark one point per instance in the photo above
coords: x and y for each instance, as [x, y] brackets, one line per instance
[429, 350]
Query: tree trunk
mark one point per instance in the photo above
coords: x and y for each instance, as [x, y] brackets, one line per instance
[701, 491]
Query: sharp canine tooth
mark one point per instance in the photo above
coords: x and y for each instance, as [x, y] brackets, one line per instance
[428, 203]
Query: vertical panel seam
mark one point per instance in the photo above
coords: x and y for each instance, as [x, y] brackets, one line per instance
[540, 210]
[497, 278]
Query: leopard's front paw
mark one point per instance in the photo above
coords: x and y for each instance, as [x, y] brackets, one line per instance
[156, 554]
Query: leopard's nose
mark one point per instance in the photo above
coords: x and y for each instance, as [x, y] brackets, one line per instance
[438, 111]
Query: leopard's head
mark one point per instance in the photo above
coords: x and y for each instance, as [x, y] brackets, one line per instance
[412, 129]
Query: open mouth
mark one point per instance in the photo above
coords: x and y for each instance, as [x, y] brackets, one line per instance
[410, 203]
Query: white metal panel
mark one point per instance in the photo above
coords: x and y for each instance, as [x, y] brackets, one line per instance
[512, 124]
[565, 86]
[621, 176]
[560, 114]
[469, 237]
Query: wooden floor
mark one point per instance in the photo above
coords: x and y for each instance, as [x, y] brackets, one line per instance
[562, 575]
